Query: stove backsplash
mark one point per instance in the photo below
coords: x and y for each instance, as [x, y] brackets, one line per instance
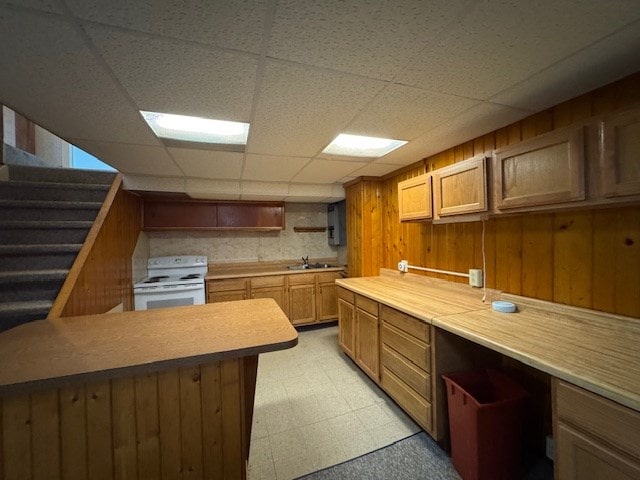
[247, 246]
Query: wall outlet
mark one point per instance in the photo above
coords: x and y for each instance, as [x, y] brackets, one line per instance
[475, 277]
[403, 266]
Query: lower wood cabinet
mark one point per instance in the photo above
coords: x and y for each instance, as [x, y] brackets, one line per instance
[270, 286]
[406, 364]
[346, 322]
[595, 438]
[305, 298]
[367, 336]
[302, 298]
[227, 290]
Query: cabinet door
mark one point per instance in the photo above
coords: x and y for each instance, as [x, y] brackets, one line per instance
[346, 330]
[302, 305]
[226, 290]
[596, 438]
[368, 343]
[580, 457]
[327, 301]
[277, 293]
[548, 169]
[460, 188]
[414, 198]
[620, 162]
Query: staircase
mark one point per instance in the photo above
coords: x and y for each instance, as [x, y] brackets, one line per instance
[45, 215]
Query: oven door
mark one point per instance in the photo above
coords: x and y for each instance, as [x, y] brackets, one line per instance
[147, 298]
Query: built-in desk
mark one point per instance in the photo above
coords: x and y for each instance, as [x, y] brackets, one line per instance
[592, 357]
[150, 394]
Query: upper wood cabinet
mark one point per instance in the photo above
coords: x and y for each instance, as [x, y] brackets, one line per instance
[178, 214]
[620, 154]
[414, 198]
[460, 188]
[548, 169]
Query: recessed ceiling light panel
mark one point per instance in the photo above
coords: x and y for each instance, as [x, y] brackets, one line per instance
[196, 129]
[360, 146]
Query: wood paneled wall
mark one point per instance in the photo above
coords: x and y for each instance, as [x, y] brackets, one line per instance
[105, 277]
[186, 423]
[588, 258]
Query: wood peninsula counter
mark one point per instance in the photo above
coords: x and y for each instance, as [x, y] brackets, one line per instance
[162, 393]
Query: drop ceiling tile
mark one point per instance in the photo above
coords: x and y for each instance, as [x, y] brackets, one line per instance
[404, 113]
[154, 184]
[208, 163]
[235, 25]
[259, 167]
[43, 5]
[478, 121]
[267, 188]
[300, 110]
[500, 43]
[604, 62]
[373, 39]
[56, 81]
[309, 191]
[132, 159]
[165, 75]
[326, 171]
[375, 170]
[220, 189]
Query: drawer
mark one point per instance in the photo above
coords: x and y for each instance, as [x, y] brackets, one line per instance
[410, 348]
[328, 277]
[267, 281]
[408, 399]
[366, 304]
[405, 370]
[346, 295]
[406, 323]
[618, 425]
[226, 285]
[302, 279]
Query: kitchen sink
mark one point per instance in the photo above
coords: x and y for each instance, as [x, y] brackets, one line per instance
[310, 266]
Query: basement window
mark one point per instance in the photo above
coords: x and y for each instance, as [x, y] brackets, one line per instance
[361, 146]
[85, 161]
[183, 128]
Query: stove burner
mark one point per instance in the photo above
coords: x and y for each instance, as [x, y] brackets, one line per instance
[156, 279]
[190, 276]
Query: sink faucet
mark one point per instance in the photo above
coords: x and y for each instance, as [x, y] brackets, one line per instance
[305, 261]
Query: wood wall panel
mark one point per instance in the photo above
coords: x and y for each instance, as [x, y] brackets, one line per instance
[586, 258]
[101, 277]
[185, 423]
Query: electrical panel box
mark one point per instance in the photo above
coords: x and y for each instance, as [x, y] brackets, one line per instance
[337, 223]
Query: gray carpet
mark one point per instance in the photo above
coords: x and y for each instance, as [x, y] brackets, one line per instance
[416, 457]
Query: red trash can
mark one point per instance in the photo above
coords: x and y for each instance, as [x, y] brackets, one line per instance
[485, 423]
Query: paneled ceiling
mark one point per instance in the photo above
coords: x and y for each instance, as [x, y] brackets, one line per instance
[435, 73]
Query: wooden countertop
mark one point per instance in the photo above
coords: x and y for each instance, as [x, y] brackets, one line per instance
[219, 272]
[595, 350]
[97, 346]
[417, 295]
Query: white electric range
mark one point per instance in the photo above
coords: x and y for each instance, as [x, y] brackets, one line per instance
[172, 282]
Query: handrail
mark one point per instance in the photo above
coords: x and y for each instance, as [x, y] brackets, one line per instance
[69, 284]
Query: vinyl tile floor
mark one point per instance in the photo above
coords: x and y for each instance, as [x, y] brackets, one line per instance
[314, 408]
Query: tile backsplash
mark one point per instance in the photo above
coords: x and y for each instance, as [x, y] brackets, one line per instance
[224, 246]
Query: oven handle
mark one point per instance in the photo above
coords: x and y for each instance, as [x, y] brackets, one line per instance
[176, 288]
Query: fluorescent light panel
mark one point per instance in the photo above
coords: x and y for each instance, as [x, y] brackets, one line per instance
[360, 146]
[196, 129]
